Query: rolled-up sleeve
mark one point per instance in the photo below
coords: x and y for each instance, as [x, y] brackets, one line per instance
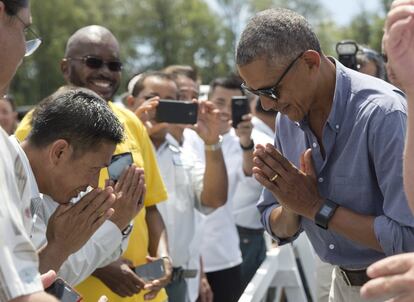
[395, 228]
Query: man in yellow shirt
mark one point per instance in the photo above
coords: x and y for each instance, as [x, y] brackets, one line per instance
[92, 61]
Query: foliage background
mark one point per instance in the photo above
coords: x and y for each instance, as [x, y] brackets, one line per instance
[157, 33]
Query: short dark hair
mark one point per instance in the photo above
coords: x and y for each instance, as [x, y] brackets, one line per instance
[182, 70]
[139, 85]
[77, 115]
[276, 35]
[13, 6]
[230, 82]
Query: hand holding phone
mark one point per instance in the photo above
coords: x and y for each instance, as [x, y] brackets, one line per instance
[151, 271]
[63, 291]
[177, 112]
[239, 108]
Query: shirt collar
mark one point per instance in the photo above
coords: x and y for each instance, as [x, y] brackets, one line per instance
[341, 96]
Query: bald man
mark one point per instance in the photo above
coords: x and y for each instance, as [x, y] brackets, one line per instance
[92, 60]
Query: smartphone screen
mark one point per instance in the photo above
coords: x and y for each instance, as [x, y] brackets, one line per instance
[151, 271]
[63, 291]
[239, 107]
[118, 164]
[177, 112]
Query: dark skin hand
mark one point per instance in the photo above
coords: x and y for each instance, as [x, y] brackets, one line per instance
[296, 190]
[120, 278]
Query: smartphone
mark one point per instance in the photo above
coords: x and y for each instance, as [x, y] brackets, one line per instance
[239, 107]
[63, 291]
[176, 112]
[151, 271]
[118, 164]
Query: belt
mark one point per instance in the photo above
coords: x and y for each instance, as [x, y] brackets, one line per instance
[354, 277]
[179, 273]
[248, 231]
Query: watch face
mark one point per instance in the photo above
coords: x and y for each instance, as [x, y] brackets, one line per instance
[325, 210]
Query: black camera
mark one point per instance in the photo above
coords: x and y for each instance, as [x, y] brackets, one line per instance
[347, 51]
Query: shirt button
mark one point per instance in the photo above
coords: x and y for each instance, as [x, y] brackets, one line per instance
[314, 145]
[331, 246]
[337, 126]
[320, 179]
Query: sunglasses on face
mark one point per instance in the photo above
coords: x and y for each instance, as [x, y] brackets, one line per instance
[271, 92]
[97, 63]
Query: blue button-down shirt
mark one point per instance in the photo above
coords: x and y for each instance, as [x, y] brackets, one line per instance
[362, 171]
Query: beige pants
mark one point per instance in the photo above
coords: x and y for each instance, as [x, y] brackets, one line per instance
[341, 292]
[324, 280]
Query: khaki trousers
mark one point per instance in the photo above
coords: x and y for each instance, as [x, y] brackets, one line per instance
[341, 292]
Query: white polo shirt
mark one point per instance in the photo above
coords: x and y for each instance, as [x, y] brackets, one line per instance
[19, 263]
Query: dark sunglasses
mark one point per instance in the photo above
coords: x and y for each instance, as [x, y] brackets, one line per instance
[97, 63]
[272, 91]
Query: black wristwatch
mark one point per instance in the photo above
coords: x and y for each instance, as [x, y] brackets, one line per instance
[125, 232]
[325, 213]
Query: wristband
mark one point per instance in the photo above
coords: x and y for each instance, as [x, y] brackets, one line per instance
[249, 147]
[214, 147]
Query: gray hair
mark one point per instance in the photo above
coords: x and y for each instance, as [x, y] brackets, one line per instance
[277, 35]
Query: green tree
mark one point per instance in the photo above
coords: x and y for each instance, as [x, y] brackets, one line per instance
[152, 35]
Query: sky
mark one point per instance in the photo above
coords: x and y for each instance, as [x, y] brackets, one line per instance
[342, 11]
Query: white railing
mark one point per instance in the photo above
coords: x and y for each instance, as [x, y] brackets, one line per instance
[280, 273]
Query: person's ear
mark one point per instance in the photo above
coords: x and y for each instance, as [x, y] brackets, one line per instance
[130, 102]
[65, 68]
[59, 151]
[312, 59]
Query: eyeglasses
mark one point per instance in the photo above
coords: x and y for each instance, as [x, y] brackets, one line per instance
[272, 91]
[31, 44]
[97, 63]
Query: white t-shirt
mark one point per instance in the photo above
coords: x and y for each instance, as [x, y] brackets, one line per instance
[220, 243]
[19, 263]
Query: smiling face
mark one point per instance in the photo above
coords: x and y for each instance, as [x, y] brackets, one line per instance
[103, 81]
[296, 90]
[70, 173]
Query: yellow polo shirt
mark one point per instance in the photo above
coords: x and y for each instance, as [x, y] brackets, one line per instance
[138, 143]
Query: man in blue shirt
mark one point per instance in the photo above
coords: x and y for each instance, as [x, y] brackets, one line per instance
[336, 171]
